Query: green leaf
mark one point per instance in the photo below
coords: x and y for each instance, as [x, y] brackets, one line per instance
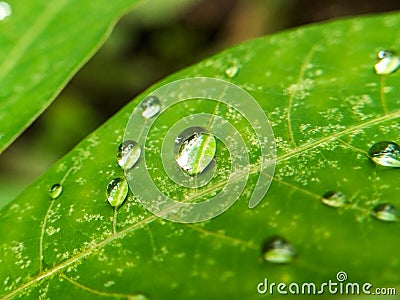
[42, 45]
[327, 107]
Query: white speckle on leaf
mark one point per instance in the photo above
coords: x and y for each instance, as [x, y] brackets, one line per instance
[51, 230]
[109, 283]
[300, 90]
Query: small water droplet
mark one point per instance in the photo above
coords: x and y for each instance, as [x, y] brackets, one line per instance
[55, 191]
[385, 212]
[5, 10]
[232, 71]
[128, 154]
[195, 152]
[334, 199]
[388, 62]
[385, 153]
[117, 190]
[278, 250]
[150, 107]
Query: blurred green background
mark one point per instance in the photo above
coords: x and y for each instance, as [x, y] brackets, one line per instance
[158, 38]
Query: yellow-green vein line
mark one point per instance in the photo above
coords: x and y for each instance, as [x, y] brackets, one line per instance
[303, 68]
[382, 94]
[101, 293]
[42, 229]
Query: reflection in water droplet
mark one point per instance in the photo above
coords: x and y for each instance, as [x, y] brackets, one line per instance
[278, 250]
[385, 212]
[55, 191]
[195, 152]
[385, 153]
[388, 62]
[150, 107]
[334, 199]
[5, 10]
[128, 154]
[117, 190]
[232, 71]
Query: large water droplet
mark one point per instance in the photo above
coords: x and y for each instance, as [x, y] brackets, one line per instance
[334, 199]
[385, 153]
[278, 250]
[232, 71]
[55, 191]
[386, 212]
[388, 62]
[128, 154]
[117, 190]
[196, 152]
[5, 10]
[150, 107]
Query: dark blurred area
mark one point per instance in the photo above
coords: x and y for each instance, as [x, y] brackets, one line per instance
[157, 39]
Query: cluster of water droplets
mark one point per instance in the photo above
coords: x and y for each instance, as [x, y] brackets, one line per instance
[194, 151]
[385, 154]
[382, 153]
[128, 155]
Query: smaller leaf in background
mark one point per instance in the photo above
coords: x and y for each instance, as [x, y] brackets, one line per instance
[30, 80]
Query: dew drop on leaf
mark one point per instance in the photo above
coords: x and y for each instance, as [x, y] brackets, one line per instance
[196, 152]
[117, 190]
[388, 62]
[334, 199]
[232, 71]
[128, 154]
[55, 191]
[5, 10]
[278, 250]
[385, 212]
[150, 107]
[385, 153]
